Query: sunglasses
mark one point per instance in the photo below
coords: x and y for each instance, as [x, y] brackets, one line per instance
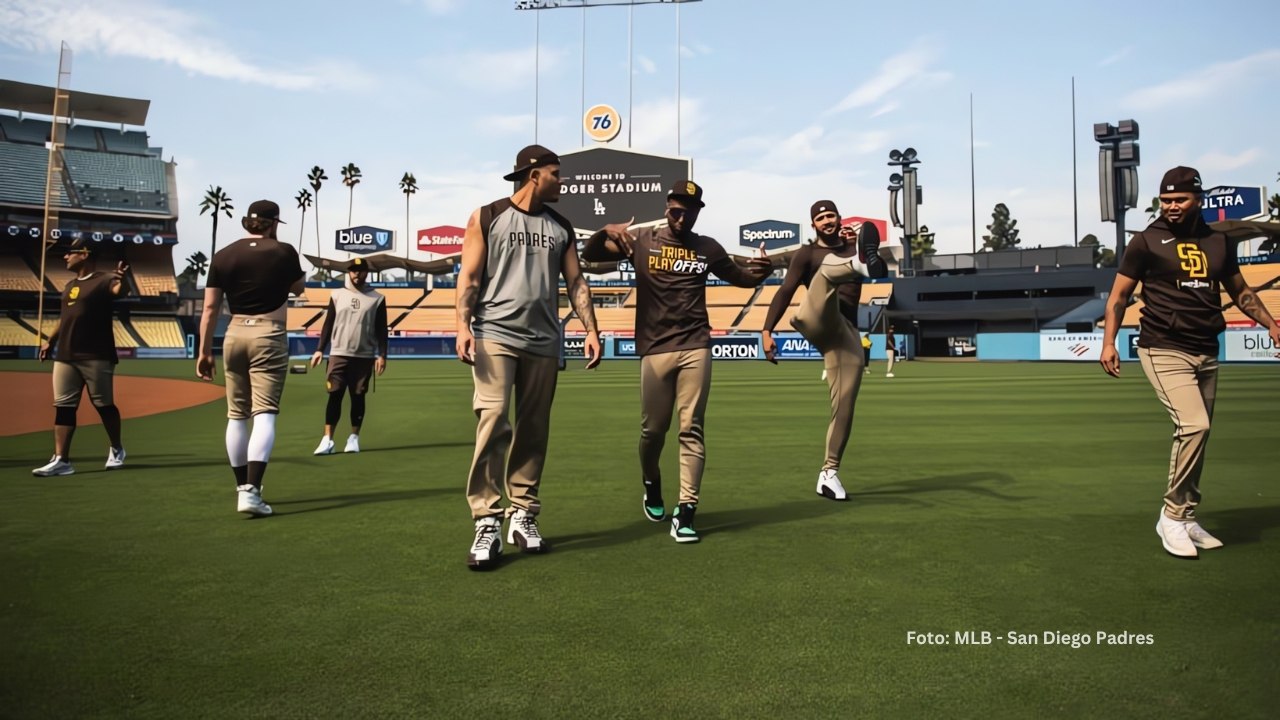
[676, 213]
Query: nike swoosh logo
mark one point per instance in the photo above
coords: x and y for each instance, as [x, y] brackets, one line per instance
[1166, 241]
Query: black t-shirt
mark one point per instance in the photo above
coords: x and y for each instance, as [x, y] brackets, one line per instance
[804, 265]
[1181, 272]
[255, 274]
[84, 327]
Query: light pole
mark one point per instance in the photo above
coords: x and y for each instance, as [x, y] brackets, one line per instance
[904, 184]
[1118, 160]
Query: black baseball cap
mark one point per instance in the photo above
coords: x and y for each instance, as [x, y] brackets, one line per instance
[688, 191]
[820, 207]
[266, 210]
[358, 264]
[84, 245]
[533, 156]
[1181, 179]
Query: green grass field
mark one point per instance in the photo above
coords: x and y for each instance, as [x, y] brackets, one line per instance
[1009, 498]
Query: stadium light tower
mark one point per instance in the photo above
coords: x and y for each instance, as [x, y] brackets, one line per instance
[583, 5]
[1118, 160]
[904, 184]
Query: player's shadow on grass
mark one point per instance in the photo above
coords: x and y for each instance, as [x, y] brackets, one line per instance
[1242, 525]
[338, 502]
[977, 483]
[419, 446]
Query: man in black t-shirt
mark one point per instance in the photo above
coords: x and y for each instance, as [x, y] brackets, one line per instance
[1183, 265]
[673, 338]
[84, 355]
[256, 276]
[831, 268]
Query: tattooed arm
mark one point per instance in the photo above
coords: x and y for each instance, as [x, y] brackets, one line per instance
[1250, 304]
[1117, 303]
[580, 298]
[474, 251]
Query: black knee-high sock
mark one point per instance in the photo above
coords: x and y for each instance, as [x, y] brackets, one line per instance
[242, 475]
[357, 410]
[333, 411]
[255, 472]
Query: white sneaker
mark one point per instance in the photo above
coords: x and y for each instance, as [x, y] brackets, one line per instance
[1201, 538]
[325, 447]
[829, 486]
[115, 458]
[824, 374]
[888, 374]
[353, 444]
[55, 466]
[249, 501]
[487, 547]
[1173, 534]
[523, 532]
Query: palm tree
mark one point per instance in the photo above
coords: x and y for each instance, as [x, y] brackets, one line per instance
[304, 202]
[1153, 212]
[215, 201]
[351, 178]
[197, 265]
[408, 186]
[317, 177]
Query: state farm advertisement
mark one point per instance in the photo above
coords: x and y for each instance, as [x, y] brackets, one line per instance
[442, 240]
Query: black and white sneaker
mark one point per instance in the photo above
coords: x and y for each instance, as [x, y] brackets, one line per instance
[829, 486]
[523, 533]
[487, 546]
[682, 523]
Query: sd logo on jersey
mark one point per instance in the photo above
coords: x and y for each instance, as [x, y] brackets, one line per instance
[1194, 261]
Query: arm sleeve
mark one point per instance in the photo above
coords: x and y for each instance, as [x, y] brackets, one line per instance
[725, 268]
[796, 274]
[1232, 266]
[595, 251]
[326, 332]
[380, 327]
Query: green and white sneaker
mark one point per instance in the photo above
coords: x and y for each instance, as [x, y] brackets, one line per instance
[682, 523]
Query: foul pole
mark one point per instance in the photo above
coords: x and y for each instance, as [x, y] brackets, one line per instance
[53, 174]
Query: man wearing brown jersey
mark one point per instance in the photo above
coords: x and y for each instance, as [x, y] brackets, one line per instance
[673, 338]
[1183, 265]
[832, 267]
[84, 353]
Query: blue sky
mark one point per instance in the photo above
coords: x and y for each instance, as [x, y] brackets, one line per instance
[782, 102]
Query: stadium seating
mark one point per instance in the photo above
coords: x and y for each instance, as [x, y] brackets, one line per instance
[401, 297]
[123, 338]
[875, 291]
[152, 270]
[299, 318]
[55, 270]
[127, 142]
[81, 136]
[16, 275]
[1260, 275]
[25, 131]
[729, 295]
[315, 297]
[22, 174]
[607, 320]
[159, 332]
[1269, 298]
[429, 319]
[113, 171]
[11, 333]
[441, 297]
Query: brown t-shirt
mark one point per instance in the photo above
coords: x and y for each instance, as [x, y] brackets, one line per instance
[671, 288]
[1181, 272]
[255, 274]
[84, 327]
[804, 265]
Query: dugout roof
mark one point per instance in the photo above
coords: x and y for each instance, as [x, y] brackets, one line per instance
[1247, 229]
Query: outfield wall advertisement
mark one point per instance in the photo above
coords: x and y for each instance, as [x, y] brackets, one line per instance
[1071, 346]
[1249, 346]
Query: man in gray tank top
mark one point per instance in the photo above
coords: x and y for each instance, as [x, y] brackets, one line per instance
[513, 254]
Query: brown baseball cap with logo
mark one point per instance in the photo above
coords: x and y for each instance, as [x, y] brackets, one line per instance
[1181, 180]
[820, 207]
[532, 156]
[358, 264]
[688, 191]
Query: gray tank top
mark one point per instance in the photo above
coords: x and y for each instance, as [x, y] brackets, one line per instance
[518, 305]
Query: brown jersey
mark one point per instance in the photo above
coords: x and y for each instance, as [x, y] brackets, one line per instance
[671, 288]
[255, 274]
[85, 325]
[1181, 272]
[804, 265]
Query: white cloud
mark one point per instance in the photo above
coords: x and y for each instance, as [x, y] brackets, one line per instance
[886, 108]
[1219, 162]
[647, 65]
[654, 126]
[496, 69]
[1116, 57]
[1213, 81]
[506, 124]
[906, 69]
[147, 30]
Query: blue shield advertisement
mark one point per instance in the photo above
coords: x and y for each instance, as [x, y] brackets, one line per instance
[1233, 202]
[364, 240]
[774, 234]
